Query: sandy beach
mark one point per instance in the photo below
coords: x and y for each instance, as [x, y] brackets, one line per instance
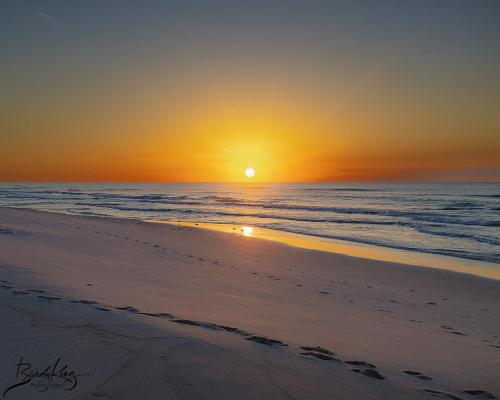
[146, 310]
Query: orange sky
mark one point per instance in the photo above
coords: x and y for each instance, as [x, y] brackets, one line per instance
[207, 135]
[145, 101]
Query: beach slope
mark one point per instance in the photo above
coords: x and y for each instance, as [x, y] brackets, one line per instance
[144, 310]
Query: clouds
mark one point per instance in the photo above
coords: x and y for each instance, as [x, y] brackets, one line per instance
[49, 19]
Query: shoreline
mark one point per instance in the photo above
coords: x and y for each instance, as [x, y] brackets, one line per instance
[427, 221]
[354, 249]
[359, 250]
[188, 301]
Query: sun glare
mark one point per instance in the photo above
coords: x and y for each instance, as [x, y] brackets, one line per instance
[250, 172]
[247, 230]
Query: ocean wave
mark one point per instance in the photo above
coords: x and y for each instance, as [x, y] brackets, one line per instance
[424, 216]
[208, 212]
[463, 220]
[462, 205]
[492, 196]
[343, 189]
[487, 257]
[93, 195]
[428, 217]
[459, 235]
[238, 201]
[89, 213]
[362, 221]
[399, 215]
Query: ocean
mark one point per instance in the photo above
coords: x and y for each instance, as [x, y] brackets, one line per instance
[454, 219]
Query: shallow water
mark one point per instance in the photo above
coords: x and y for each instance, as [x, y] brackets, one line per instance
[455, 219]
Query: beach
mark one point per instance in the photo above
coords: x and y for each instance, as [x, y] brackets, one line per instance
[148, 310]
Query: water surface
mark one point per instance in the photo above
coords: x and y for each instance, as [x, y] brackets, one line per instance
[453, 219]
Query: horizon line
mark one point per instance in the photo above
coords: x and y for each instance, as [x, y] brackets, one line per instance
[245, 182]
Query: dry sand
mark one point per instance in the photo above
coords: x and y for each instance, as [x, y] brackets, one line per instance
[150, 311]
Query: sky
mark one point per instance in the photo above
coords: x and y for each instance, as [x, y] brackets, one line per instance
[201, 90]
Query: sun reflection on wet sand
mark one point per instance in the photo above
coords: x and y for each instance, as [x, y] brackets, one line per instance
[247, 230]
[354, 249]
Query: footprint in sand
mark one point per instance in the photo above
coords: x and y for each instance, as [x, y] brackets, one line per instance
[127, 308]
[149, 314]
[370, 372]
[366, 369]
[265, 340]
[418, 375]
[480, 393]
[234, 330]
[49, 298]
[319, 352]
[321, 356]
[319, 349]
[360, 364]
[36, 290]
[437, 393]
[201, 324]
[83, 301]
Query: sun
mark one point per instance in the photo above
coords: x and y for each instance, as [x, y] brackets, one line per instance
[250, 172]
